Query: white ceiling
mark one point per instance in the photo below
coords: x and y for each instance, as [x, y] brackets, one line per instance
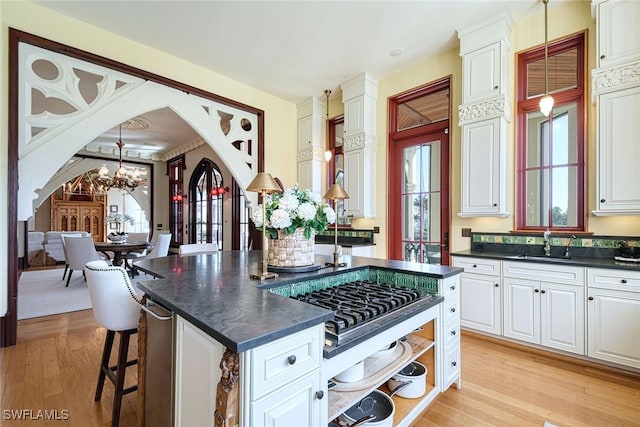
[293, 49]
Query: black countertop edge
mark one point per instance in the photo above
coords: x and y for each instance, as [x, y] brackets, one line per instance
[575, 261]
[329, 351]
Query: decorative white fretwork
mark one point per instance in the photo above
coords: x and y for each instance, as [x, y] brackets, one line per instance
[611, 79]
[489, 109]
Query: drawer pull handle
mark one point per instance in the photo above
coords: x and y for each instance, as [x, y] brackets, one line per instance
[319, 394]
[452, 309]
[454, 363]
[623, 281]
[291, 359]
[453, 332]
[590, 298]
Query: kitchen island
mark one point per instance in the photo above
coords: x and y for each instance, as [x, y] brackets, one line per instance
[276, 346]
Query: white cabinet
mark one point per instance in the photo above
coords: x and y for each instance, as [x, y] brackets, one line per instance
[618, 152]
[614, 316]
[482, 73]
[305, 132]
[359, 96]
[480, 294]
[618, 29]
[544, 304]
[197, 374]
[483, 117]
[282, 380]
[484, 155]
[359, 180]
[310, 176]
[450, 341]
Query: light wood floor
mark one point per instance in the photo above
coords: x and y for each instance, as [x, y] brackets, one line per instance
[55, 365]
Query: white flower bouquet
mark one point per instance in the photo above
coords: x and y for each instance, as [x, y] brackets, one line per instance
[120, 219]
[291, 210]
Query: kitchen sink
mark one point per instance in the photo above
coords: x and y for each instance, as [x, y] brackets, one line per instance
[538, 258]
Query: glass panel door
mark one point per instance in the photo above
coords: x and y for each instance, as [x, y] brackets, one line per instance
[421, 202]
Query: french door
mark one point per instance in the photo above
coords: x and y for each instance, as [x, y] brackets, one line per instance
[419, 196]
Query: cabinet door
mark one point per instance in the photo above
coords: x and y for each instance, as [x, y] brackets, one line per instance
[619, 151]
[521, 317]
[562, 317]
[614, 326]
[197, 375]
[482, 74]
[618, 32]
[305, 132]
[354, 116]
[483, 168]
[480, 303]
[295, 404]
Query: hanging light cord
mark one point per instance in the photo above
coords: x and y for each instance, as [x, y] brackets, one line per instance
[546, 49]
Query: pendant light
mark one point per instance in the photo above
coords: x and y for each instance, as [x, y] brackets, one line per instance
[546, 102]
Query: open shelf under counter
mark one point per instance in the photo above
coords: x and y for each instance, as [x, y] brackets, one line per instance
[341, 400]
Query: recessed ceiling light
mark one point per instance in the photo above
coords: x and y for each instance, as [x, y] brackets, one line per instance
[397, 51]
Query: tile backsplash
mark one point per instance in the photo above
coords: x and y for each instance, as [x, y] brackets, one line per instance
[587, 246]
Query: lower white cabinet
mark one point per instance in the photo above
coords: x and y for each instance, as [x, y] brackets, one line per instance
[548, 314]
[613, 301]
[544, 312]
[480, 294]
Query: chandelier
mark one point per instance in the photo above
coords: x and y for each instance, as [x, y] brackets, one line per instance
[124, 178]
[86, 184]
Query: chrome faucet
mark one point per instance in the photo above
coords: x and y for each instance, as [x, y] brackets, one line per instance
[547, 243]
[566, 250]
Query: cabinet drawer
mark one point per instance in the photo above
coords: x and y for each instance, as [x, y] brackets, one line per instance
[478, 265]
[451, 312]
[451, 366]
[544, 272]
[286, 359]
[621, 280]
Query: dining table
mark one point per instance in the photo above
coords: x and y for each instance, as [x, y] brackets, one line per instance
[120, 250]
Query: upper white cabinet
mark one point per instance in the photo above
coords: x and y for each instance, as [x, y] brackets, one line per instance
[311, 142]
[618, 29]
[483, 117]
[483, 71]
[484, 158]
[618, 152]
[616, 92]
[359, 145]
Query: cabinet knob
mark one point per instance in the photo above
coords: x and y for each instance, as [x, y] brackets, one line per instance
[452, 309]
[453, 287]
[454, 363]
[453, 332]
[543, 291]
[536, 290]
[602, 200]
[590, 298]
[495, 87]
[291, 359]
[623, 281]
[474, 266]
[497, 285]
[319, 394]
[495, 204]
[603, 56]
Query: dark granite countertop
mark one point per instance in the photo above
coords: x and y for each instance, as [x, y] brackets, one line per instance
[574, 260]
[216, 294]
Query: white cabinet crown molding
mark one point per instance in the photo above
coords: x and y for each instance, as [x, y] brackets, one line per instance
[485, 33]
[488, 109]
[615, 78]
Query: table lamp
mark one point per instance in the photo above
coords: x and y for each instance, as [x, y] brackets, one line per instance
[336, 192]
[264, 184]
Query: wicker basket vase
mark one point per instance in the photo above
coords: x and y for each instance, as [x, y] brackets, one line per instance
[293, 250]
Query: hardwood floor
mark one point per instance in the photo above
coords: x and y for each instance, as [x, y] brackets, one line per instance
[54, 366]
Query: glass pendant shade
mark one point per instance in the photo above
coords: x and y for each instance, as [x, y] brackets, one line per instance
[546, 104]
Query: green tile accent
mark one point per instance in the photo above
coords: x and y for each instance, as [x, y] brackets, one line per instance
[425, 284]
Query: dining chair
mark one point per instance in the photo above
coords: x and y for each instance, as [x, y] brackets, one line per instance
[116, 307]
[198, 248]
[64, 250]
[159, 249]
[80, 250]
[137, 237]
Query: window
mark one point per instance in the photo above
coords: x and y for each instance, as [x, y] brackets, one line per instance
[205, 197]
[550, 152]
[175, 168]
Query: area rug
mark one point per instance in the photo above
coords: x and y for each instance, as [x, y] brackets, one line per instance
[43, 293]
